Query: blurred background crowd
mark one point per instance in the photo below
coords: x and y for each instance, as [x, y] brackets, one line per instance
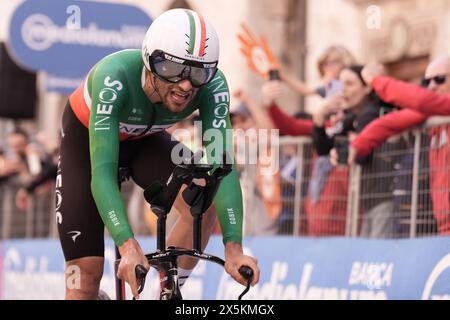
[355, 98]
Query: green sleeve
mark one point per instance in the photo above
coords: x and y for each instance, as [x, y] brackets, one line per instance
[214, 112]
[108, 93]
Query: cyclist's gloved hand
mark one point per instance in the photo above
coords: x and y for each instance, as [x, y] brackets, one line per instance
[235, 258]
[131, 255]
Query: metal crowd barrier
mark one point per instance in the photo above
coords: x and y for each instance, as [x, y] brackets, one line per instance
[35, 222]
[416, 183]
[403, 192]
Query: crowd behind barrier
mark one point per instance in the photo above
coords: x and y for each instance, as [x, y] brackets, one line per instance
[396, 186]
[408, 199]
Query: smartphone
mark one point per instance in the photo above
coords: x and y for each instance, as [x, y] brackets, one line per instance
[274, 74]
[334, 88]
[342, 149]
[343, 154]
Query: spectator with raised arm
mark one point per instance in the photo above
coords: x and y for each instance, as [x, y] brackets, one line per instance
[360, 106]
[326, 201]
[410, 96]
[329, 65]
[435, 99]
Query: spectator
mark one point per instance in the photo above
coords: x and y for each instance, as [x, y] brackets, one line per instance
[328, 186]
[393, 91]
[326, 202]
[326, 199]
[46, 154]
[435, 100]
[8, 167]
[24, 163]
[329, 65]
[357, 107]
[18, 159]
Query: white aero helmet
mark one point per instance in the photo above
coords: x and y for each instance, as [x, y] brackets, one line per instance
[185, 38]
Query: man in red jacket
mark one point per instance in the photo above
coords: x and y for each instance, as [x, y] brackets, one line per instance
[410, 96]
[419, 103]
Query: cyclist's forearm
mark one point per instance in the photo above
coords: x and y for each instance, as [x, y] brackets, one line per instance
[229, 208]
[233, 248]
[110, 204]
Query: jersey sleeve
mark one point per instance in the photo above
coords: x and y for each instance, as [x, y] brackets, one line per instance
[406, 95]
[381, 129]
[289, 125]
[217, 136]
[107, 93]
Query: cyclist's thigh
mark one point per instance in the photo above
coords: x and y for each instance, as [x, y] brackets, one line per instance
[153, 159]
[79, 224]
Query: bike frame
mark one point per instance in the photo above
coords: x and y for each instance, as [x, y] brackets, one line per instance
[166, 263]
[161, 199]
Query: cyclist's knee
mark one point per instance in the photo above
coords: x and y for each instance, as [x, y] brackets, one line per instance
[83, 277]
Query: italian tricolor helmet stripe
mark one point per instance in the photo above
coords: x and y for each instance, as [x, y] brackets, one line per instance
[196, 40]
[201, 53]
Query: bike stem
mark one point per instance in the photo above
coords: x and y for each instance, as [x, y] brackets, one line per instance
[161, 232]
[197, 232]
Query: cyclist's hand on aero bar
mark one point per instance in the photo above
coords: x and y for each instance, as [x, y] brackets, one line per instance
[131, 255]
[234, 259]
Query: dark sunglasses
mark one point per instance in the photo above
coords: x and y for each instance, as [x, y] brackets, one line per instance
[440, 79]
[174, 69]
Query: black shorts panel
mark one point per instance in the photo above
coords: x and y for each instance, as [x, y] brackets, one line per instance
[80, 228]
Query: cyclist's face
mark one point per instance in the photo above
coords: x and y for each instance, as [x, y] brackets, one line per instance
[175, 96]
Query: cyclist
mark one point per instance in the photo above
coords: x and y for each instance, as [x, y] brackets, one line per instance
[116, 118]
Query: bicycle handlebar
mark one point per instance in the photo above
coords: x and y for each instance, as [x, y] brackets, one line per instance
[247, 273]
[141, 274]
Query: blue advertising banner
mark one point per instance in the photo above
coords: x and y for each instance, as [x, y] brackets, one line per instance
[65, 38]
[291, 268]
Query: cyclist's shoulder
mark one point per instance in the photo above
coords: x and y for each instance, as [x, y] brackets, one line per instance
[219, 74]
[218, 78]
[123, 57]
[217, 85]
[120, 63]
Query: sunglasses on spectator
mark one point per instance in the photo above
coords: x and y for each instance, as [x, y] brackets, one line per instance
[439, 79]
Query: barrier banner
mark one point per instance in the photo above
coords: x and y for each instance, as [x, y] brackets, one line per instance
[291, 268]
[65, 38]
